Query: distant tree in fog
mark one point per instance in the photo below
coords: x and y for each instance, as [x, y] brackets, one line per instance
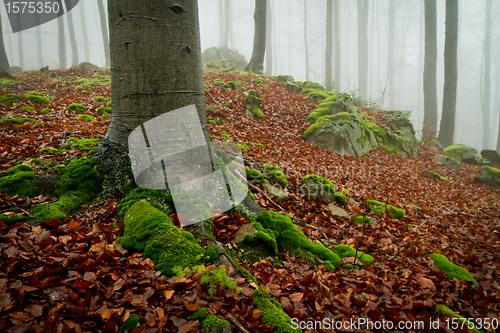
[430, 61]
[256, 64]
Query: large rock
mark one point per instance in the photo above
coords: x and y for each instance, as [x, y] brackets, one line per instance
[491, 155]
[488, 176]
[277, 193]
[316, 190]
[214, 54]
[448, 162]
[292, 87]
[87, 66]
[462, 153]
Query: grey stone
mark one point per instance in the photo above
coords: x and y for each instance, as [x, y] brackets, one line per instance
[314, 190]
[246, 229]
[488, 176]
[214, 54]
[87, 66]
[277, 193]
[292, 87]
[491, 155]
[44, 69]
[15, 69]
[5, 75]
[337, 210]
[448, 162]
[470, 157]
[333, 138]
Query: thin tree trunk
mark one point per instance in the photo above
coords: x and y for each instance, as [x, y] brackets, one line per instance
[4, 61]
[72, 38]
[421, 56]
[447, 126]
[306, 43]
[256, 64]
[221, 23]
[329, 45]
[227, 22]
[390, 52]
[20, 50]
[336, 25]
[269, 43]
[104, 31]
[63, 62]
[362, 47]
[429, 75]
[486, 76]
[83, 22]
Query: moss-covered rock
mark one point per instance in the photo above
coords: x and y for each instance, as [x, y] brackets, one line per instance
[458, 152]
[10, 98]
[27, 108]
[488, 176]
[20, 180]
[255, 176]
[225, 65]
[77, 107]
[331, 105]
[85, 117]
[38, 99]
[46, 111]
[222, 84]
[381, 208]
[104, 110]
[317, 187]
[67, 203]
[253, 100]
[452, 271]
[17, 121]
[313, 85]
[275, 175]
[100, 99]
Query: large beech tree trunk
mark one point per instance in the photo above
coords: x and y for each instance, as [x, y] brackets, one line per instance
[256, 64]
[430, 61]
[447, 127]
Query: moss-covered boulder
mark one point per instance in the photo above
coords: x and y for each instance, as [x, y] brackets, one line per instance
[334, 104]
[448, 162]
[225, 65]
[292, 87]
[275, 175]
[317, 187]
[10, 98]
[452, 271]
[488, 176]
[277, 193]
[20, 180]
[253, 100]
[461, 152]
[491, 155]
[214, 54]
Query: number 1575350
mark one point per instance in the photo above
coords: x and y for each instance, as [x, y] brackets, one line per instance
[32, 7]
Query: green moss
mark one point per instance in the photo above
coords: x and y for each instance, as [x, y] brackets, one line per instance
[256, 111]
[328, 265]
[380, 208]
[27, 108]
[290, 238]
[273, 314]
[214, 322]
[104, 110]
[48, 150]
[164, 198]
[222, 84]
[275, 175]
[327, 184]
[217, 276]
[312, 85]
[452, 271]
[492, 171]
[77, 107]
[344, 251]
[94, 80]
[457, 152]
[20, 180]
[149, 230]
[253, 97]
[255, 176]
[10, 98]
[215, 122]
[17, 121]
[258, 144]
[38, 99]
[395, 212]
[46, 111]
[434, 175]
[83, 144]
[224, 134]
[109, 103]
[36, 161]
[131, 322]
[340, 199]
[259, 82]
[81, 175]
[101, 99]
[200, 314]
[66, 204]
[85, 117]
[11, 220]
[461, 320]
[317, 94]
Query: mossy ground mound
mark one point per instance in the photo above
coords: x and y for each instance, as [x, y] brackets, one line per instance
[20, 180]
[452, 271]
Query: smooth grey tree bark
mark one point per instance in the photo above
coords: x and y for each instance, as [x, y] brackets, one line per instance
[329, 44]
[336, 32]
[256, 64]
[4, 61]
[221, 23]
[362, 14]
[421, 24]
[227, 23]
[486, 76]
[447, 127]
[306, 42]
[104, 31]
[390, 51]
[72, 38]
[39, 49]
[269, 43]
[429, 75]
[61, 41]
[20, 49]
[83, 22]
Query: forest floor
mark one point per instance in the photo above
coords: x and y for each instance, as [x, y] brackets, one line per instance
[67, 276]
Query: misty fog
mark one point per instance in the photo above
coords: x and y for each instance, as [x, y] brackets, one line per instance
[288, 50]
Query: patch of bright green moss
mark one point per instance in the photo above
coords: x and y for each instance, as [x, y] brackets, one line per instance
[67, 203]
[222, 84]
[95, 80]
[273, 314]
[255, 176]
[492, 171]
[38, 99]
[46, 111]
[446, 310]
[27, 108]
[104, 110]
[83, 144]
[452, 271]
[215, 122]
[313, 85]
[85, 117]
[256, 111]
[17, 121]
[11, 220]
[77, 107]
[275, 175]
[457, 152]
[10, 98]
[20, 180]
[344, 251]
[81, 175]
[380, 208]
[131, 322]
[49, 150]
[101, 99]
